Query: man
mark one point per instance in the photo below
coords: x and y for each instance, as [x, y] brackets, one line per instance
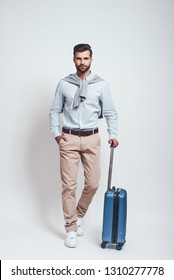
[80, 100]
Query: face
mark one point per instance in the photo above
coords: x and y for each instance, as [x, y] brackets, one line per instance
[82, 61]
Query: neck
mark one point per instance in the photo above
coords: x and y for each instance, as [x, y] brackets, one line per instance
[83, 75]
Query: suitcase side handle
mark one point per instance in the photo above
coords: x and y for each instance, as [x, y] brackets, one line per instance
[110, 167]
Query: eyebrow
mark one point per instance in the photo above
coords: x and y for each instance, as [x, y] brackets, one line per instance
[82, 57]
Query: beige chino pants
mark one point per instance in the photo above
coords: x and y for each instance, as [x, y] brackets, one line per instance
[86, 149]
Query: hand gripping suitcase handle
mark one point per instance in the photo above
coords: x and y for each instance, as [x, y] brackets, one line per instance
[110, 167]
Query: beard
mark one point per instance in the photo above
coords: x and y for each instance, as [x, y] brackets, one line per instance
[82, 68]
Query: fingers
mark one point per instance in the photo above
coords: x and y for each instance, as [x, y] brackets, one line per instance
[114, 142]
[62, 136]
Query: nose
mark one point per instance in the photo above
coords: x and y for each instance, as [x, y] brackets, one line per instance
[82, 61]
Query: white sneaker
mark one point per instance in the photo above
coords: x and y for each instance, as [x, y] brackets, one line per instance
[80, 227]
[71, 239]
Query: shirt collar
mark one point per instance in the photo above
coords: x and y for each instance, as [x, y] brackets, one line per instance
[88, 78]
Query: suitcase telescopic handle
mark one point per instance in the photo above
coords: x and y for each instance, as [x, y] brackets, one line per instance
[110, 167]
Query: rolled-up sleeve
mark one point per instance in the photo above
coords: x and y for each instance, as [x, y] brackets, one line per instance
[56, 110]
[109, 112]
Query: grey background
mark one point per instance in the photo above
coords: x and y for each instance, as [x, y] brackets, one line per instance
[133, 45]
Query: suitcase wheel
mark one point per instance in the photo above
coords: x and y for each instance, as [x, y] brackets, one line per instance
[103, 244]
[119, 247]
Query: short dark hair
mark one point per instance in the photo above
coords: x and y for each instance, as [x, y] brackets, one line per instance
[82, 48]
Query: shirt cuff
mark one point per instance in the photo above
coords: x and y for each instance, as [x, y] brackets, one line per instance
[113, 136]
[56, 133]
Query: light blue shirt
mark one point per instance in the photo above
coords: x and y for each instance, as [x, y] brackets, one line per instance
[86, 115]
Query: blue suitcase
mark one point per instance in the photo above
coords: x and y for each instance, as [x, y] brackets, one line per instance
[114, 213]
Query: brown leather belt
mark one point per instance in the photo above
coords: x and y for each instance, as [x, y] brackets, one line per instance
[80, 132]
